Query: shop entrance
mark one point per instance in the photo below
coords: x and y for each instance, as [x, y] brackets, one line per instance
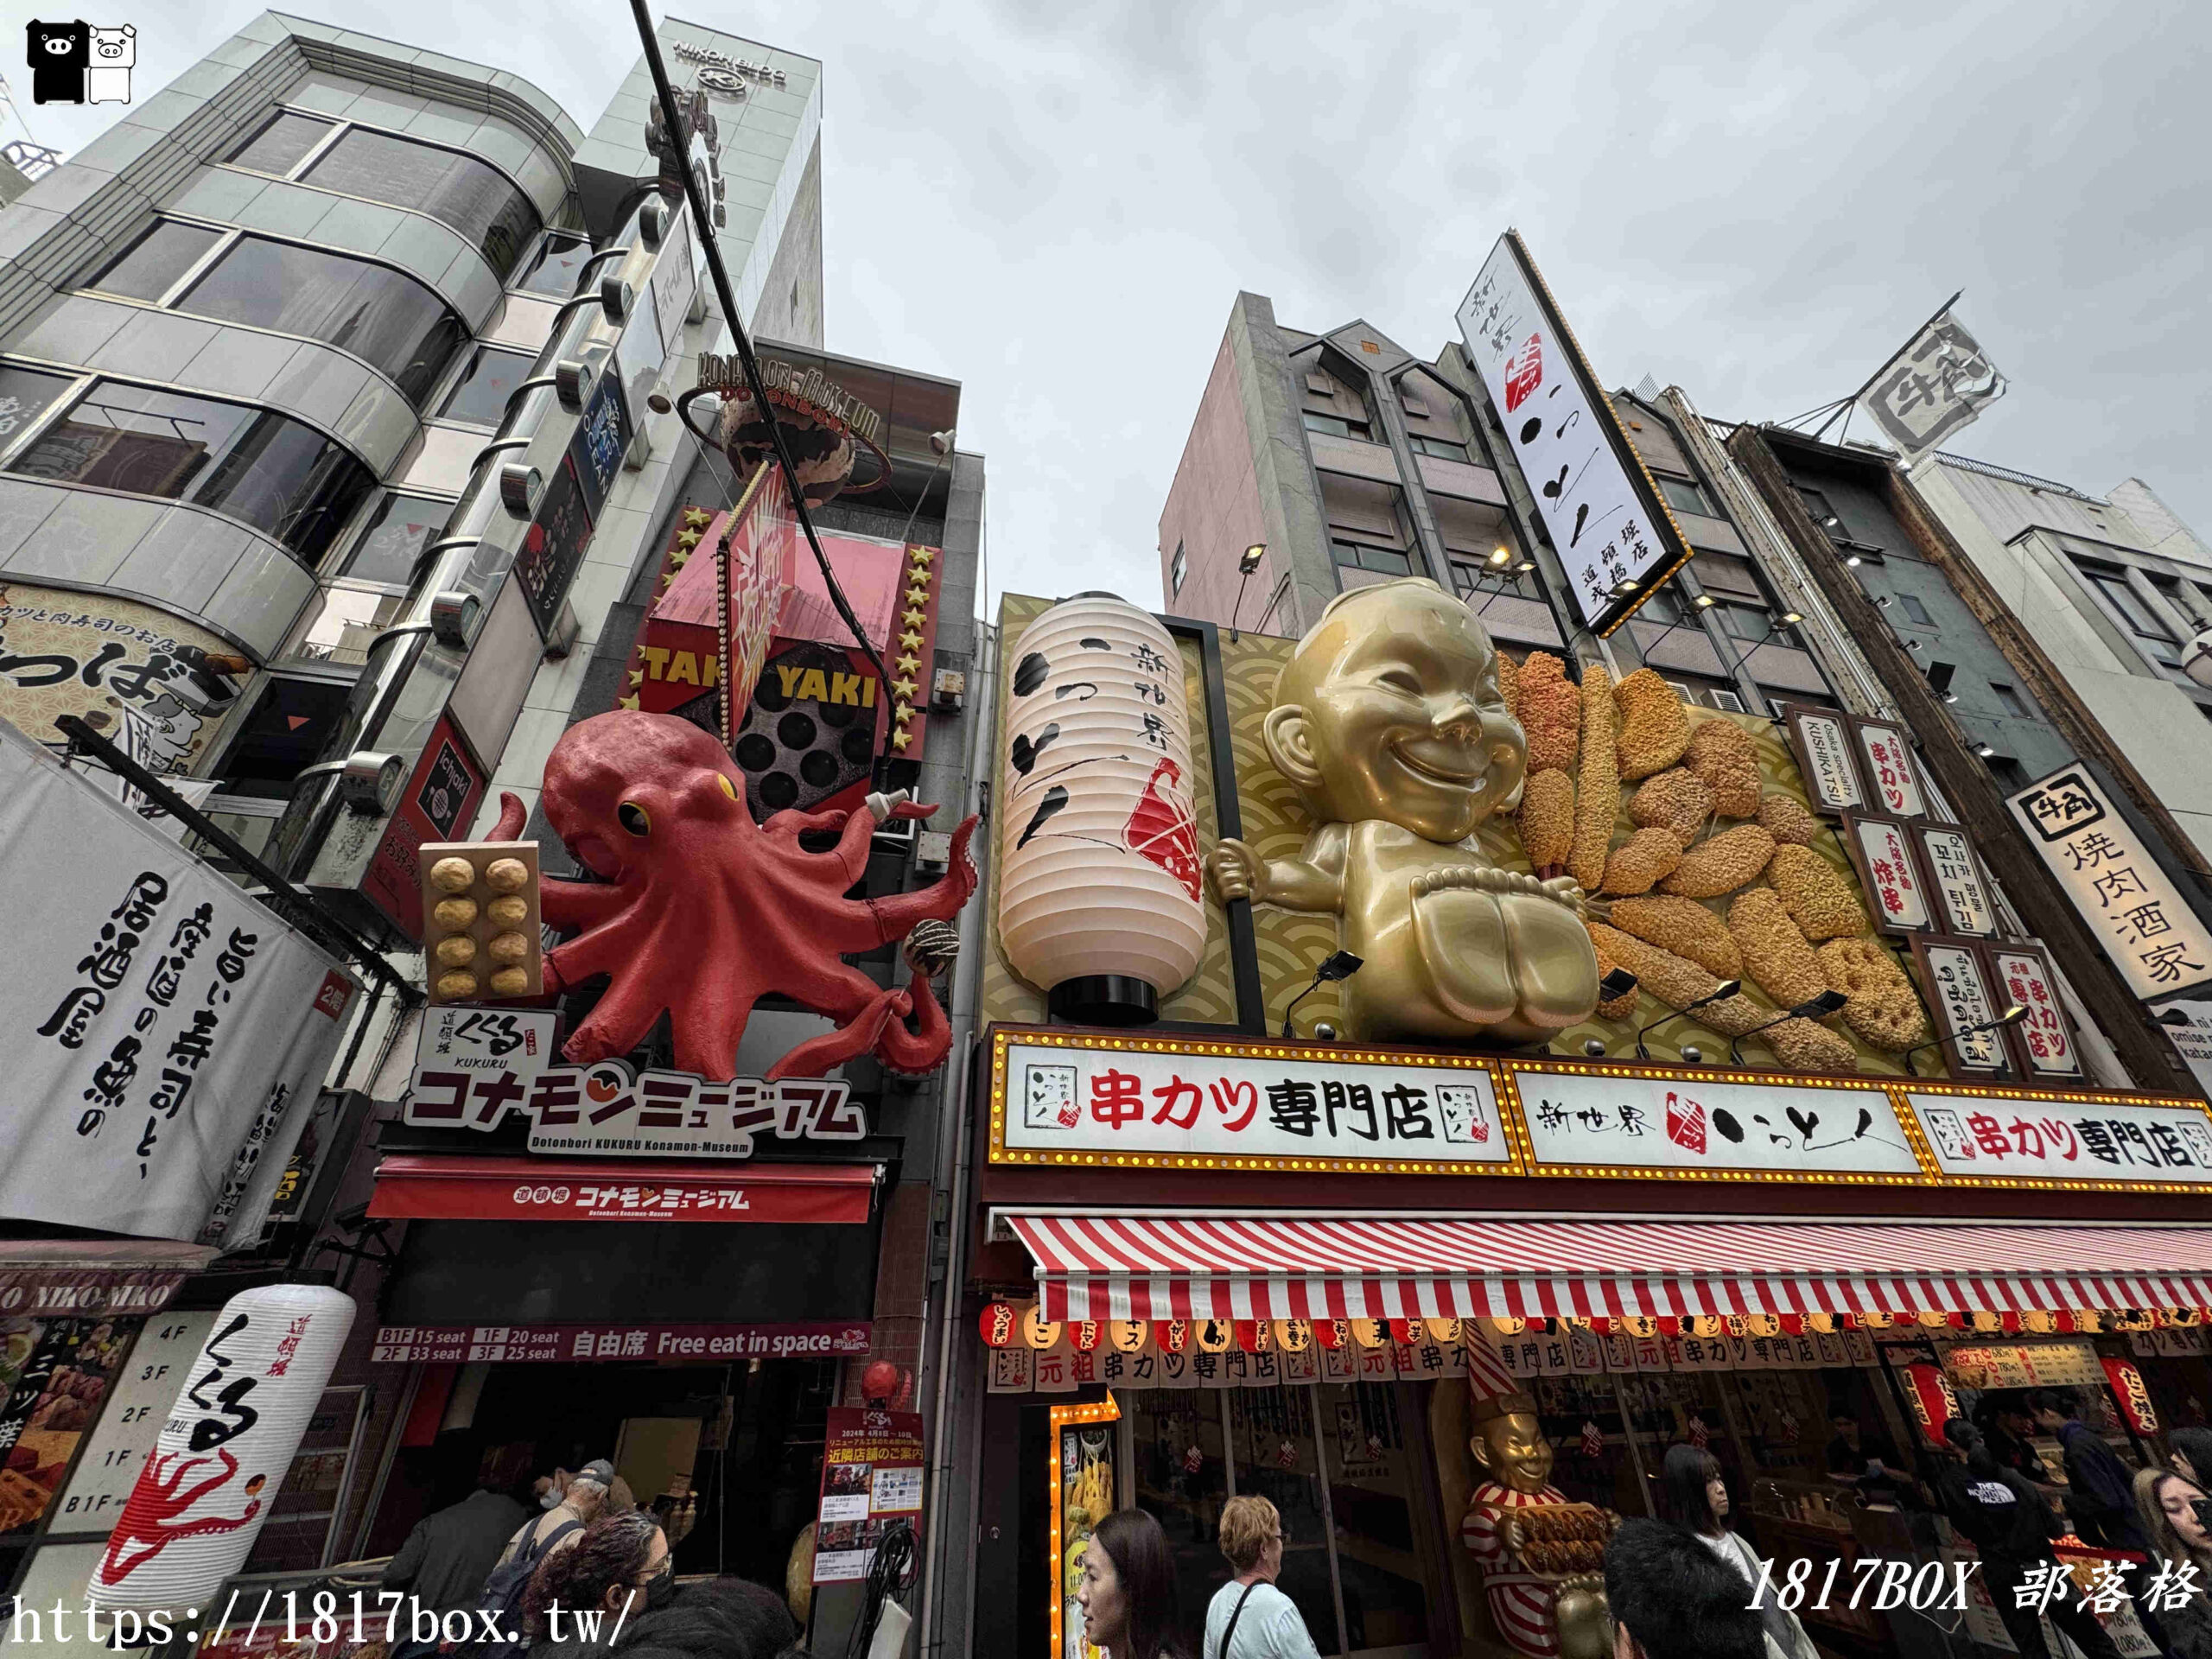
[743, 1441]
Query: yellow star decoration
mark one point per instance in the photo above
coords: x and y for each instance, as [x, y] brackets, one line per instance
[901, 738]
[636, 677]
[902, 713]
[911, 640]
[908, 663]
[630, 702]
[698, 518]
[915, 619]
[917, 595]
[921, 555]
[903, 688]
[689, 539]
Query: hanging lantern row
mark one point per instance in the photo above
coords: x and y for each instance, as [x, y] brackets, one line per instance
[1007, 1325]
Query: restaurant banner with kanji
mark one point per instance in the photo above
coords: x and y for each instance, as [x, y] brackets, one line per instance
[398, 1344]
[2156, 940]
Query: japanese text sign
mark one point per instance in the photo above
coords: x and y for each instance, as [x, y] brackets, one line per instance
[471, 1064]
[1935, 386]
[1984, 1366]
[157, 1017]
[1137, 1104]
[871, 1475]
[1615, 540]
[2070, 1139]
[1823, 743]
[1682, 1123]
[2046, 1045]
[401, 1344]
[1882, 849]
[1890, 769]
[2158, 942]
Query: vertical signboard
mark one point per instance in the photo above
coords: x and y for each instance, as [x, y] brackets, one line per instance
[1821, 741]
[1882, 850]
[1890, 769]
[439, 802]
[2160, 945]
[871, 1477]
[1955, 983]
[2045, 1045]
[1960, 892]
[1614, 537]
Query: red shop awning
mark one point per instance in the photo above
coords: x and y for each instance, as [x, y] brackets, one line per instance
[515, 1189]
[1221, 1264]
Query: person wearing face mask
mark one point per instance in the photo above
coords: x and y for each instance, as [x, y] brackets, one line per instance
[1696, 1497]
[1248, 1618]
[2166, 1504]
[1127, 1593]
[619, 1569]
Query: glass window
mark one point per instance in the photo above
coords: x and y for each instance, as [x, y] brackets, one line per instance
[2009, 699]
[481, 393]
[1336, 427]
[290, 722]
[1272, 1438]
[1915, 609]
[383, 317]
[1370, 1472]
[1823, 515]
[152, 265]
[395, 538]
[1178, 570]
[1438, 447]
[1361, 555]
[2128, 605]
[278, 147]
[475, 198]
[278, 475]
[347, 623]
[554, 269]
[26, 394]
[1746, 621]
[1684, 496]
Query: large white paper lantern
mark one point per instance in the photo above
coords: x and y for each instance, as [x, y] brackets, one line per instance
[205, 1490]
[1100, 895]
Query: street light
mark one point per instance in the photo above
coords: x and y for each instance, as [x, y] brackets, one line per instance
[2010, 1016]
[1812, 1009]
[941, 445]
[1247, 563]
[1339, 964]
[1721, 992]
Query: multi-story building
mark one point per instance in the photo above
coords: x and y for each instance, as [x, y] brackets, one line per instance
[352, 404]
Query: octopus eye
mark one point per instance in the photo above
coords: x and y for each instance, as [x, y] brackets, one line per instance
[728, 788]
[633, 818]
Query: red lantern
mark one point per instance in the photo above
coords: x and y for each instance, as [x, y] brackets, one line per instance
[1330, 1333]
[1403, 1331]
[1669, 1325]
[1252, 1335]
[1001, 1324]
[2134, 1399]
[1793, 1324]
[1086, 1333]
[1603, 1327]
[2065, 1323]
[1171, 1336]
[2008, 1323]
[878, 1383]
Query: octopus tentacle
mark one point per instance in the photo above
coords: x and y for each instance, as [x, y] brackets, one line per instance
[895, 916]
[920, 1047]
[511, 815]
[817, 1055]
[580, 904]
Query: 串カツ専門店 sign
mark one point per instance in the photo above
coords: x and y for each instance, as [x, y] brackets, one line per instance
[2158, 942]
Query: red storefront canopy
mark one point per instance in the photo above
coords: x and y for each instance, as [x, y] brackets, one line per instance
[516, 1189]
[1224, 1264]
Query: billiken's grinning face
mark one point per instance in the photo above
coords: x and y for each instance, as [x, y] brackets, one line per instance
[1512, 1449]
[1390, 709]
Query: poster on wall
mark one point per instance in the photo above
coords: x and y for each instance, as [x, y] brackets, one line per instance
[1615, 537]
[156, 687]
[61, 1381]
[156, 1014]
[871, 1478]
[140, 1394]
[2153, 936]
[1075, 1104]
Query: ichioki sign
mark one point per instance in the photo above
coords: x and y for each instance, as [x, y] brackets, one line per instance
[159, 1025]
[1166, 1103]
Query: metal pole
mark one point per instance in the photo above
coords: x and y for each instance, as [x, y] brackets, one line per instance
[82, 736]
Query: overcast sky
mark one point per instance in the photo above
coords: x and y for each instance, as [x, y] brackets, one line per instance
[1056, 205]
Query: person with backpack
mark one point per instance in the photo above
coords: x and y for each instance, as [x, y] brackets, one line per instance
[586, 1498]
[1248, 1618]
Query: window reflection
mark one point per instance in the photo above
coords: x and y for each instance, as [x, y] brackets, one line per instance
[473, 198]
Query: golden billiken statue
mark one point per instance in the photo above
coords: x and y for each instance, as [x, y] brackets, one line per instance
[1547, 1598]
[1388, 722]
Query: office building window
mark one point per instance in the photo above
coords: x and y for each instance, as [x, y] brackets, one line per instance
[1337, 427]
[281, 736]
[1364, 556]
[1178, 568]
[389, 320]
[281, 144]
[2009, 699]
[1476, 578]
[481, 393]
[1822, 513]
[1684, 496]
[155, 264]
[469, 195]
[1914, 610]
[2110, 583]
[395, 538]
[26, 394]
[278, 475]
[1438, 448]
[559, 259]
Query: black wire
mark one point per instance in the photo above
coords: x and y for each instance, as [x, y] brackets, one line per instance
[893, 1571]
[703, 222]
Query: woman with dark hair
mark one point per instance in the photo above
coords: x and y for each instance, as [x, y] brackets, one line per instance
[1128, 1594]
[619, 1569]
[1696, 1497]
[2011, 1527]
[2192, 1454]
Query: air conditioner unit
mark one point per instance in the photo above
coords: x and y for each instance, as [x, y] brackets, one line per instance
[2197, 664]
[1727, 699]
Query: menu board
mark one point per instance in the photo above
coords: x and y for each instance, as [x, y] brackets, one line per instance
[871, 1477]
[554, 545]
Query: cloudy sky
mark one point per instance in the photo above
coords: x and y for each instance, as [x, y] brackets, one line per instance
[1056, 205]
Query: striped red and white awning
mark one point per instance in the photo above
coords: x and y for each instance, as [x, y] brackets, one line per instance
[1241, 1266]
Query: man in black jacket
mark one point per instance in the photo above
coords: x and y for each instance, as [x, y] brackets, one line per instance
[445, 1560]
[2011, 1528]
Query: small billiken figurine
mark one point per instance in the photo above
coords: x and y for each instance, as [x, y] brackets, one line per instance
[1543, 1557]
[1388, 721]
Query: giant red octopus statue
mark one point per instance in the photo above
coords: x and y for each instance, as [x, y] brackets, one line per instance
[702, 911]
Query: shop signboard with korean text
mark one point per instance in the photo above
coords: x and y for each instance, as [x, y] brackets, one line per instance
[1136, 1102]
[1821, 739]
[1586, 1123]
[156, 1013]
[2066, 1140]
[2160, 945]
[511, 1345]
[1959, 890]
[871, 1477]
[1614, 536]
